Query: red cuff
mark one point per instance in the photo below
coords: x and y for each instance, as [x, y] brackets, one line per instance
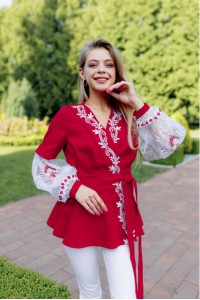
[75, 188]
[140, 112]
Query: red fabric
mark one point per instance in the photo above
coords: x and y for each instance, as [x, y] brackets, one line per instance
[103, 161]
[75, 188]
[139, 113]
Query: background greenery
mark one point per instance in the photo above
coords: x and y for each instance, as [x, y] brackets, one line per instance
[40, 42]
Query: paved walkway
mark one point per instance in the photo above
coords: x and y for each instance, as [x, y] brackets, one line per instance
[169, 205]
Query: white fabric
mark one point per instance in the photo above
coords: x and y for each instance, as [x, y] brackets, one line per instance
[159, 135]
[55, 176]
[118, 266]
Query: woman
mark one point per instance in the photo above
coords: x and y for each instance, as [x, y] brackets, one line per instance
[96, 193]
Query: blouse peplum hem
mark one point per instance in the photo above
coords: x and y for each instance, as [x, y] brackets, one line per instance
[78, 228]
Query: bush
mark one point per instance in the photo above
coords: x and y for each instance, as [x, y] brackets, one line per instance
[195, 146]
[188, 140]
[20, 283]
[31, 140]
[174, 159]
[22, 132]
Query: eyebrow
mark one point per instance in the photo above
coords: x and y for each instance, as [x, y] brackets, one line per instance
[96, 60]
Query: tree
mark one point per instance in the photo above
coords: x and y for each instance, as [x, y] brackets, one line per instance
[158, 40]
[35, 43]
[41, 40]
[21, 100]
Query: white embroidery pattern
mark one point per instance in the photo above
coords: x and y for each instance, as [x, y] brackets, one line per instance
[113, 126]
[120, 205]
[89, 118]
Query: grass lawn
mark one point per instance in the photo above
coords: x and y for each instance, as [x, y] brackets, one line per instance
[16, 179]
[15, 176]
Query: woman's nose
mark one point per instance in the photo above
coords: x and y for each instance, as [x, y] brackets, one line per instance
[101, 68]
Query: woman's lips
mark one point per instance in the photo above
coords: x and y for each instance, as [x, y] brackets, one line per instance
[101, 80]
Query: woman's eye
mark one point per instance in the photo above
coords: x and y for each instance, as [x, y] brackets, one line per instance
[109, 65]
[92, 65]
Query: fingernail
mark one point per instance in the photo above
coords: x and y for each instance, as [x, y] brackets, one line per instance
[108, 91]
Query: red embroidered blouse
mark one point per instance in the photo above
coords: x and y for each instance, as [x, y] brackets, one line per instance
[102, 159]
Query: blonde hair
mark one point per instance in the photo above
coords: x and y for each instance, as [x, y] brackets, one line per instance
[126, 110]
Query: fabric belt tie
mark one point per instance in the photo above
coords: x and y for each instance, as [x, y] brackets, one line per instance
[134, 233]
[133, 220]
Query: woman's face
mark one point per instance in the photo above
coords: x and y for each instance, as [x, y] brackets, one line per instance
[99, 70]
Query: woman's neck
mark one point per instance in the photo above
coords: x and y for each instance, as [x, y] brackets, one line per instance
[99, 101]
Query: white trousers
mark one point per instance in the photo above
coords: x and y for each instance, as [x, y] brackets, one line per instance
[118, 267]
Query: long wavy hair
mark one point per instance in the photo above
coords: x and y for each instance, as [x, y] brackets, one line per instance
[126, 110]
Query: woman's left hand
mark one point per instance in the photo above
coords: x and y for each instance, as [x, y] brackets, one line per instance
[124, 92]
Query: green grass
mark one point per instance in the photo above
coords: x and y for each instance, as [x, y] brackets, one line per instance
[21, 283]
[143, 172]
[16, 179]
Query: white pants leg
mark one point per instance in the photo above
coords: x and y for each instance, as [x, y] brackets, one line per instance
[120, 272]
[118, 266]
[85, 264]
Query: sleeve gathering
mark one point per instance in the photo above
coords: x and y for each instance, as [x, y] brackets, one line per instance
[56, 177]
[159, 135]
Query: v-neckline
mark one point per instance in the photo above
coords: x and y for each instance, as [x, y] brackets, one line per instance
[109, 118]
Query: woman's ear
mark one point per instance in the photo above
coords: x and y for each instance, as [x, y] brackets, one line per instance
[81, 73]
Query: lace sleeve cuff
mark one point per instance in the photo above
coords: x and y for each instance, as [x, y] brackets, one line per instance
[55, 176]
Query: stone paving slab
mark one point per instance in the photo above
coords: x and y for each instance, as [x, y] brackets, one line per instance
[169, 206]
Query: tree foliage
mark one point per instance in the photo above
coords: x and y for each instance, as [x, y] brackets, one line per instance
[158, 39]
[21, 100]
[35, 44]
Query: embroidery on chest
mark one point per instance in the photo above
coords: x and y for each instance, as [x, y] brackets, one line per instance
[114, 129]
[103, 140]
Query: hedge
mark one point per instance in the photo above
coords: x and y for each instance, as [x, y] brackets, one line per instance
[195, 146]
[20, 283]
[30, 140]
[174, 159]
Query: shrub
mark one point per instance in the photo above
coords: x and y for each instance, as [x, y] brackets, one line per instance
[31, 140]
[19, 283]
[195, 146]
[188, 140]
[21, 131]
[174, 159]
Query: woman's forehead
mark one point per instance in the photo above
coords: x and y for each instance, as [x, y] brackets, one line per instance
[99, 54]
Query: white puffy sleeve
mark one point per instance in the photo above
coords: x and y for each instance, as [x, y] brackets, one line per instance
[159, 135]
[55, 176]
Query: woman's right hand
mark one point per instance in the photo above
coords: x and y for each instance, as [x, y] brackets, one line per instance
[90, 200]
